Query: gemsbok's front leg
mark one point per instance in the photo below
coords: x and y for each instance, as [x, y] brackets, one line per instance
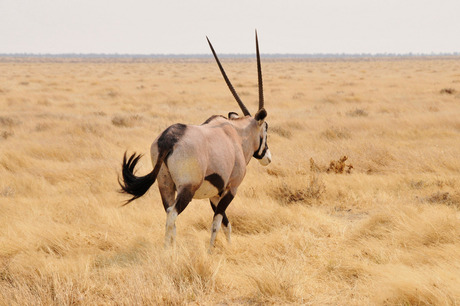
[227, 227]
[219, 214]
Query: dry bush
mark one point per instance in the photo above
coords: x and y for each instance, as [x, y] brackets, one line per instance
[276, 172]
[339, 166]
[417, 184]
[6, 134]
[100, 113]
[358, 113]
[125, 121]
[112, 93]
[314, 167]
[335, 133]
[298, 96]
[7, 191]
[43, 126]
[330, 99]
[8, 121]
[281, 131]
[296, 125]
[445, 198]
[449, 91]
[313, 191]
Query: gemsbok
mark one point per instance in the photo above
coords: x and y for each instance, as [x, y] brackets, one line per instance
[202, 161]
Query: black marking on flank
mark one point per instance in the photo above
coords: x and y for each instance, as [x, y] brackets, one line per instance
[217, 181]
[183, 198]
[169, 138]
[212, 118]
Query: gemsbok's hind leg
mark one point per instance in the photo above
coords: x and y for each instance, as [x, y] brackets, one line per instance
[167, 187]
[184, 196]
[219, 216]
[227, 227]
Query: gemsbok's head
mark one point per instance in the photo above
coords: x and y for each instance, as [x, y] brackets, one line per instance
[263, 152]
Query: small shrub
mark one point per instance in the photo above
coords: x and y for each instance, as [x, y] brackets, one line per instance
[339, 166]
[276, 172]
[125, 121]
[281, 131]
[91, 128]
[112, 94]
[7, 192]
[6, 134]
[100, 113]
[335, 166]
[298, 96]
[42, 126]
[444, 198]
[295, 125]
[335, 134]
[313, 191]
[329, 99]
[433, 109]
[8, 122]
[417, 184]
[358, 113]
[313, 166]
[449, 91]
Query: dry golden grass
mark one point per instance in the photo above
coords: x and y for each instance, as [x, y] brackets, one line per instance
[387, 233]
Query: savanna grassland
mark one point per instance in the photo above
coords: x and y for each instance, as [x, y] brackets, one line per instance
[385, 230]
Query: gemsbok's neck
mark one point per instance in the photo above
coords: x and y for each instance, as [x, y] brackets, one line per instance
[247, 128]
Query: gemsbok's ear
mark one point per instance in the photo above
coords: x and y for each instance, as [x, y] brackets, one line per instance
[260, 115]
[233, 115]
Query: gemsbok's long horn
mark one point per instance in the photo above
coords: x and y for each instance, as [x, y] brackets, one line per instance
[259, 73]
[229, 84]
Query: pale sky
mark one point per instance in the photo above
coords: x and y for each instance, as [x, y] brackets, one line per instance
[180, 27]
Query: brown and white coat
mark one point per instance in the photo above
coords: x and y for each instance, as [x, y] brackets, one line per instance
[202, 161]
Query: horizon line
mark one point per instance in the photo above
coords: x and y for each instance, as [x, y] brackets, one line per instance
[226, 55]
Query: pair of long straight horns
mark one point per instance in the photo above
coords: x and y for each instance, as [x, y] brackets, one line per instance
[230, 86]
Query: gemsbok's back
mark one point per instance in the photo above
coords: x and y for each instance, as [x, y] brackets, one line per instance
[202, 161]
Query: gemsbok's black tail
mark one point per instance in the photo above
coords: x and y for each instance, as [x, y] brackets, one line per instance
[137, 186]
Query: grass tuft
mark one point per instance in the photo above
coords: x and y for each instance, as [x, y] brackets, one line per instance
[358, 113]
[335, 133]
[445, 198]
[449, 91]
[125, 121]
[312, 192]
